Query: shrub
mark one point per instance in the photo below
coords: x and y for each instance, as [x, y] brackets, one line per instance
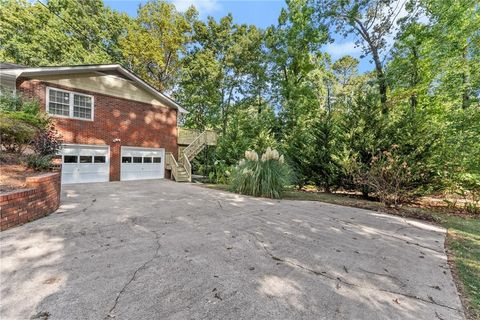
[221, 172]
[39, 162]
[15, 134]
[264, 177]
[22, 125]
[46, 141]
[22, 109]
[393, 177]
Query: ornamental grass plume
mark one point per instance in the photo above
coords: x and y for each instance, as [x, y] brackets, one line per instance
[270, 155]
[265, 178]
[251, 155]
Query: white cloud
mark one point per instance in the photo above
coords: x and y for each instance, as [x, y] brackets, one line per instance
[204, 7]
[337, 49]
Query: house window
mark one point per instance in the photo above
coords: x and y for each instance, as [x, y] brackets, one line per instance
[69, 104]
[59, 103]
[82, 106]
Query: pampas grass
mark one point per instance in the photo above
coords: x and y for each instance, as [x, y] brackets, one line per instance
[264, 176]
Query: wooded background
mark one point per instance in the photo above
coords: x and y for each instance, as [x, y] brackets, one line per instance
[413, 122]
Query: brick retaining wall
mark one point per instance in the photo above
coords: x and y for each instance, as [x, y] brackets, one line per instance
[40, 198]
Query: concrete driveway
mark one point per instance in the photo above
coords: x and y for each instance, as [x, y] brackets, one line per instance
[163, 250]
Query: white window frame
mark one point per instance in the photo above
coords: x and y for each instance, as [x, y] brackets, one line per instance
[71, 102]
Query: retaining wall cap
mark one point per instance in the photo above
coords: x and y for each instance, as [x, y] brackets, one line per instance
[15, 193]
[42, 177]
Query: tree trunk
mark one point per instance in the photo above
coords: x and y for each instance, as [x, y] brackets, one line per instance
[414, 80]
[465, 80]
[382, 82]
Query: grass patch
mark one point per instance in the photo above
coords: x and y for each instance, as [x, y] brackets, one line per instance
[463, 237]
[463, 244]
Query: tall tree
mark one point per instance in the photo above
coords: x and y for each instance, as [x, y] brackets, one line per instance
[222, 71]
[345, 71]
[156, 40]
[297, 65]
[59, 32]
[455, 26]
[409, 67]
[372, 22]
[298, 80]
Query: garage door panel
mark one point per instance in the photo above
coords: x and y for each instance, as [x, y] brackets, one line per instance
[142, 163]
[83, 164]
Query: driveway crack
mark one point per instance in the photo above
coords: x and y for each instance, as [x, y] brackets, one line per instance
[110, 314]
[297, 265]
[324, 274]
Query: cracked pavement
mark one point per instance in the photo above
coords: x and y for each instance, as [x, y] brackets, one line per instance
[163, 250]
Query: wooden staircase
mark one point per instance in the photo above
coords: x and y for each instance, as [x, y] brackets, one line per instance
[196, 142]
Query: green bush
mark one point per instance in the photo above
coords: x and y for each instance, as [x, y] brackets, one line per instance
[394, 177]
[39, 162]
[15, 134]
[264, 177]
[221, 172]
[19, 108]
[22, 124]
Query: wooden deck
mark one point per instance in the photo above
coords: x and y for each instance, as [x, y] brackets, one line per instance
[187, 136]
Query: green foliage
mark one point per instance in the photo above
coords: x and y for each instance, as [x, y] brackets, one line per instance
[460, 153]
[247, 129]
[264, 177]
[19, 122]
[221, 173]
[25, 110]
[22, 125]
[47, 141]
[62, 33]
[393, 177]
[326, 169]
[39, 162]
[155, 41]
[15, 134]
[223, 73]
[363, 126]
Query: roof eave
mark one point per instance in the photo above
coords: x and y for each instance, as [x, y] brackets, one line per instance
[58, 70]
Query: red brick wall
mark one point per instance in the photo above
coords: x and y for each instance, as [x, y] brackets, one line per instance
[136, 124]
[41, 198]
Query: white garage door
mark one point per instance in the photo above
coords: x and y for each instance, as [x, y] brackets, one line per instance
[142, 163]
[85, 163]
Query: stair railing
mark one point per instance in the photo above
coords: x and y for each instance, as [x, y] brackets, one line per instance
[170, 161]
[193, 147]
[187, 166]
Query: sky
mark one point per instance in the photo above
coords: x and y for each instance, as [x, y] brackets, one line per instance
[262, 13]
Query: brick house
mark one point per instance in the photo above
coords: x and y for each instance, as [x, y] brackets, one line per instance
[114, 125]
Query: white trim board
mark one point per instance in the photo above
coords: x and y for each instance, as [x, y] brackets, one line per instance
[32, 72]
